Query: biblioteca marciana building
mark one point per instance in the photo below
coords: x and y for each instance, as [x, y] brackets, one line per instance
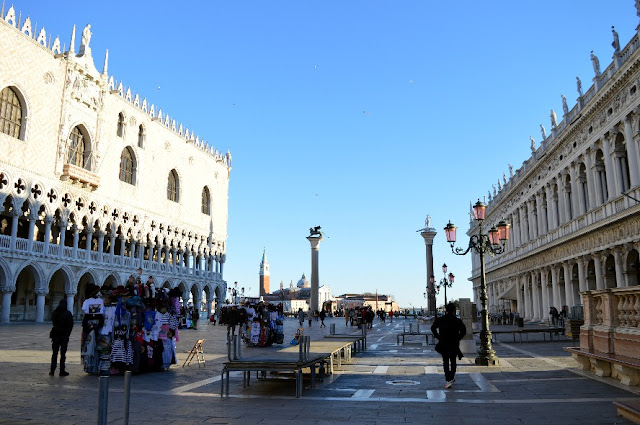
[574, 207]
[95, 182]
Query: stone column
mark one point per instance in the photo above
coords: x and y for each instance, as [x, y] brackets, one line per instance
[533, 228]
[40, 294]
[608, 166]
[122, 247]
[32, 226]
[562, 212]
[555, 288]
[545, 295]
[187, 256]
[428, 234]
[633, 160]
[617, 256]
[535, 294]
[174, 252]
[14, 230]
[223, 258]
[582, 281]
[575, 197]
[589, 170]
[70, 297]
[63, 235]
[314, 240]
[47, 233]
[89, 243]
[76, 237]
[100, 244]
[527, 298]
[581, 201]
[519, 301]
[132, 251]
[6, 304]
[568, 292]
[550, 210]
[597, 263]
[112, 244]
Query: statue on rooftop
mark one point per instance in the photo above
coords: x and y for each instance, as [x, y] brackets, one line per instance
[504, 178]
[86, 36]
[511, 167]
[533, 143]
[616, 40]
[565, 108]
[543, 131]
[579, 84]
[554, 119]
[596, 64]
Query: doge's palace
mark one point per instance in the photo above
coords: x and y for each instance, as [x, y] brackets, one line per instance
[574, 205]
[96, 182]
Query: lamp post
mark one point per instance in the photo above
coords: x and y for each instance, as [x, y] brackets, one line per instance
[492, 243]
[446, 283]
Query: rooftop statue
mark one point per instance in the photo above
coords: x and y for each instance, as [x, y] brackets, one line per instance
[554, 119]
[616, 40]
[579, 86]
[565, 108]
[543, 131]
[533, 144]
[596, 64]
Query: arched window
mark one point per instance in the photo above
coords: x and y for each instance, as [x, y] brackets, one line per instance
[120, 130]
[173, 187]
[76, 148]
[10, 113]
[141, 136]
[206, 201]
[127, 166]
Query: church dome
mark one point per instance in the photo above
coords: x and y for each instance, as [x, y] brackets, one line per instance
[303, 282]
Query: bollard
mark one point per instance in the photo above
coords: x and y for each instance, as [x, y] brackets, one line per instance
[300, 350]
[103, 400]
[127, 395]
[332, 329]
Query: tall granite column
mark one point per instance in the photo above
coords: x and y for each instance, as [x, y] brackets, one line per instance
[314, 239]
[428, 233]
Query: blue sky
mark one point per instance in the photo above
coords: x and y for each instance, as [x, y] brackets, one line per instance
[359, 116]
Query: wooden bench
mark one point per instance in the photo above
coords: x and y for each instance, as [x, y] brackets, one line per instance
[626, 369]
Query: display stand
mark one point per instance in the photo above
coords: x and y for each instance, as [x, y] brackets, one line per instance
[198, 352]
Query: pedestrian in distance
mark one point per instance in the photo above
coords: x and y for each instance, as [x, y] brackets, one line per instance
[62, 326]
[322, 315]
[449, 330]
[300, 316]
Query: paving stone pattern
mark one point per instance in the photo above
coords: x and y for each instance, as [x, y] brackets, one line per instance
[536, 383]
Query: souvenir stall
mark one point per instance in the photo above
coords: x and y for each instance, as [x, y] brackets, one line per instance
[132, 327]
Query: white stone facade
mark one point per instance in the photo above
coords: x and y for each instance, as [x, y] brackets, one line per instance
[97, 207]
[574, 204]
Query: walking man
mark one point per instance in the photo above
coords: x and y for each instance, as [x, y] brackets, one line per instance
[449, 330]
[323, 314]
[62, 326]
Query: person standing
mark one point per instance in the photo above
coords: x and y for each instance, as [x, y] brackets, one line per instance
[62, 326]
[300, 316]
[449, 330]
[323, 314]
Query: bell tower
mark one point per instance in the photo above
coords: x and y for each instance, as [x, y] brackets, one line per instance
[264, 274]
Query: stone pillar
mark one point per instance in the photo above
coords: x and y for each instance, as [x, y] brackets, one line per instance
[174, 253]
[70, 301]
[89, 242]
[223, 258]
[209, 301]
[314, 240]
[533, 228]
[568, 292]
[47, 233]
[63, 236]
[633, 160]
[32, 227]
[40, 294]
[582, 281]
[122, 246]
[555, 288]
[428, 234]
[561, 200]
[617, 256]
[544, 282]
[187, 256]
[550, 214]
[535, 294]
[591, 188]
[132, 252]
[76, 237]
[608, 166]
[100, 244]
[575, 197]
[6, 305]
[527, 298]
[519, 301]
[14, 230]
[112, 244]
[540, 223]
[467, 344]
[597, 263]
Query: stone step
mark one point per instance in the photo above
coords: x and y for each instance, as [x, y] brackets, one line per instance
[629, 410]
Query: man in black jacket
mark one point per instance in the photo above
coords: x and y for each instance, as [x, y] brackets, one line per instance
[62, 326]
[449, 330]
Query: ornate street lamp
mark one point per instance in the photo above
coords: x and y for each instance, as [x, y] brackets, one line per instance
[446, 283]
[492, 243]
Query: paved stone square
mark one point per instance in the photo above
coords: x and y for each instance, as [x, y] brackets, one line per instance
[536, 383]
